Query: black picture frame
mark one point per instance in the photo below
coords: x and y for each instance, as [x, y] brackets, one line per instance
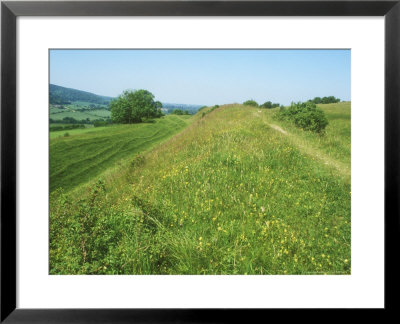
[10, 10]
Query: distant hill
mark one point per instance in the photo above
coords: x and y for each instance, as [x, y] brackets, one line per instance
[169, 107]
[64, 96]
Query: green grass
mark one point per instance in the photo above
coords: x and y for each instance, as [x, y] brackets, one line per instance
[336, 142]
[229, 194]
[88, 129]
[86, 153]
[84, 104]
[59, 114]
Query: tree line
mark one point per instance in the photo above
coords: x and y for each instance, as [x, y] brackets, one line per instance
[270, 105]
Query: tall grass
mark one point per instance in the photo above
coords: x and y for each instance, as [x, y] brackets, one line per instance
[227, 195]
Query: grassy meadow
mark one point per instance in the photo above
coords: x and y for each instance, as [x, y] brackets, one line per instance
[58, 114]
[86, 153]
[230, 190]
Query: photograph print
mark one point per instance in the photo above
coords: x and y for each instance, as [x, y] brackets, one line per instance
[199, 162]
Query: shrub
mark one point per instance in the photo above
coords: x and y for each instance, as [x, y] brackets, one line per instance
[66, 134]
[250, 103]
[177, 112]
[325, 100]
[267, 105]
[305, 115]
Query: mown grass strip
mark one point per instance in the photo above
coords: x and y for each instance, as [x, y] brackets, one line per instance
[86, 153]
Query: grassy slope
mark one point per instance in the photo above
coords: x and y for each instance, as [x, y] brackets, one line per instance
[227, 195]
[333, 149]
[88, 152]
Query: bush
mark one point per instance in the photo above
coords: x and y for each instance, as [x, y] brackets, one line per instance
[325, 100]
[269, 105]
[66, 134]
[305, 115]
[177, 112]
[250, 103]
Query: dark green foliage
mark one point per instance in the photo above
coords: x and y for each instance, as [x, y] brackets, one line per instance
[133, 106]
[325, 100]
[63, 96]
[204, 113]
[213, 108]
[269, 105]
[69, 120]
[250, 103]
[179, 112]
[65, 127]
[305, 115]
[101, 123]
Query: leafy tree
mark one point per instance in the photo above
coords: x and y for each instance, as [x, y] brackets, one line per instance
[177, 112]
[267, 105]
[325, 100]
[305, 115]
[316, 100]
[250, 103]
[330, 99]
[132, 106]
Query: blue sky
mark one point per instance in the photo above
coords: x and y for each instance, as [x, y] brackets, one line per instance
[207, 77]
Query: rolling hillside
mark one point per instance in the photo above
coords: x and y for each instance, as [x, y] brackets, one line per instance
[86, 153]
[62, 95]
[235, 192]
[82, 105]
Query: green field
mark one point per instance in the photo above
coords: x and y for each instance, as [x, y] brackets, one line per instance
[235, 192]
[59, 114]
[86, 153]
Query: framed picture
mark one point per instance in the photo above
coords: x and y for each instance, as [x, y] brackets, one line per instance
[164, 158]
